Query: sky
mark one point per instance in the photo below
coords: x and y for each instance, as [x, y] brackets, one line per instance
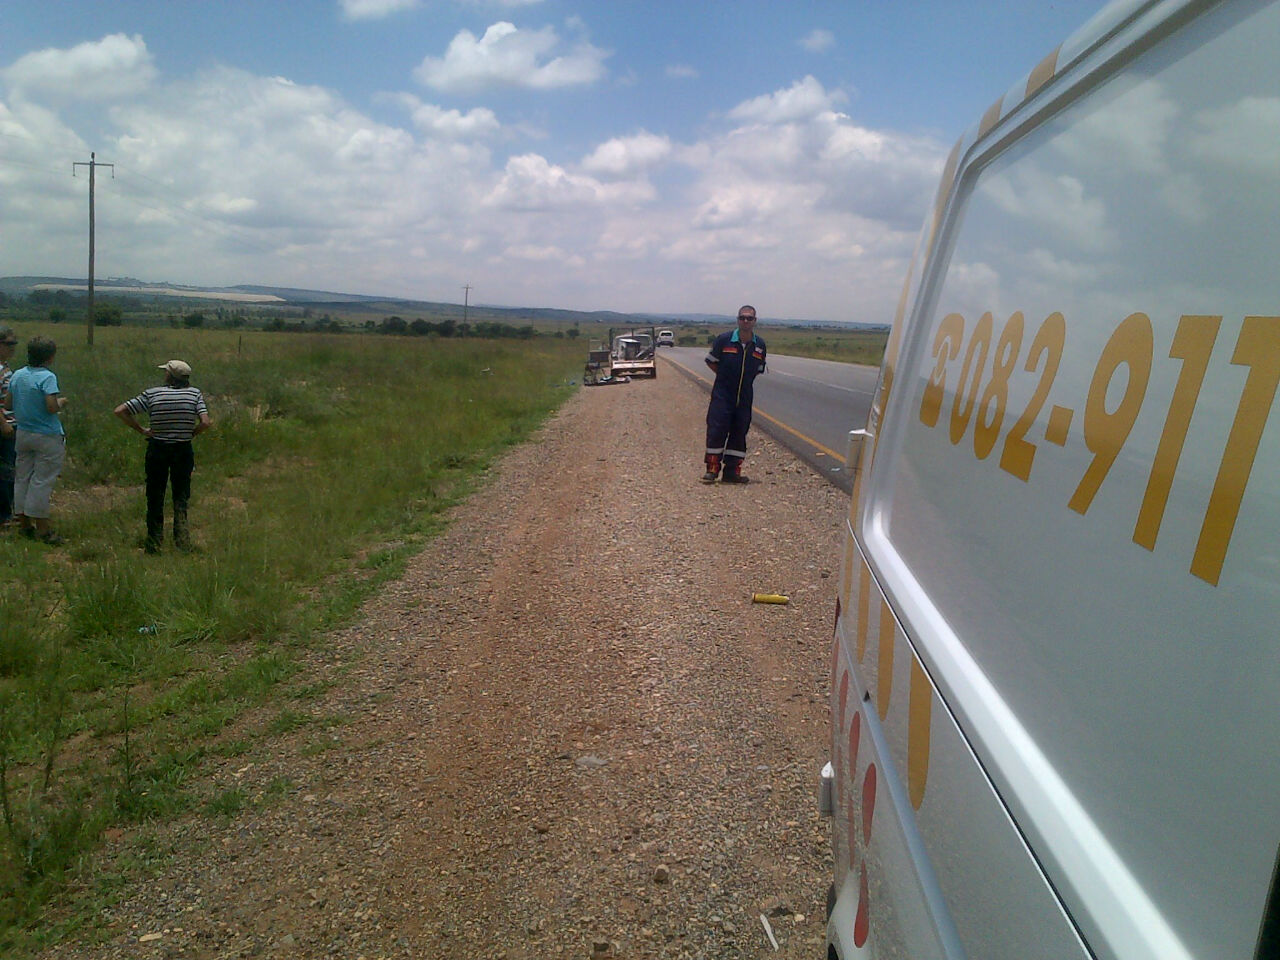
[653, 157]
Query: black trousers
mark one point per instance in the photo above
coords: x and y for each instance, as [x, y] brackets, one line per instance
[169, 462]
[8, 456]
[727, 426]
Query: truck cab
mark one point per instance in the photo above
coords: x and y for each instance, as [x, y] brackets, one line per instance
[633, 352]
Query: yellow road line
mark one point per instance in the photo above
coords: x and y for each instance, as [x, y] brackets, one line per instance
[807, 439]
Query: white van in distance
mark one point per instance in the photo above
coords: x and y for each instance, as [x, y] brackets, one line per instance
[1056, 673]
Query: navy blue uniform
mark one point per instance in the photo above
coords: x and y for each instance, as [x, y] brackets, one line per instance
[729, 413]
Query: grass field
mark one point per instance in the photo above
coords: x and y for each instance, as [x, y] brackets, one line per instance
[848, 346]
[331, 461]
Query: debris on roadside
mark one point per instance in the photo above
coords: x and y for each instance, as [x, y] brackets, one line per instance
[768, 931]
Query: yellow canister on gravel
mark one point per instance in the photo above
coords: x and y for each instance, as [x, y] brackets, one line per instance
[769, 598]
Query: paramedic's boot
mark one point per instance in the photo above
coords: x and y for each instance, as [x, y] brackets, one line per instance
[181, 535]
[713, 468]
[733, 472]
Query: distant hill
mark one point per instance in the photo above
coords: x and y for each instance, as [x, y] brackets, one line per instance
[269, 297]
[259, 295]
[295, 295]
[127, 286]
[21, 286]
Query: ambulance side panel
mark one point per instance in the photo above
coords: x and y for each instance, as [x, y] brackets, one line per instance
[1056, 673]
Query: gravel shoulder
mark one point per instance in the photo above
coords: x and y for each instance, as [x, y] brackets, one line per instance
[568, 730]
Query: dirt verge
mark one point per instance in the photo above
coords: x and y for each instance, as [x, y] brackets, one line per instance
[570, 732]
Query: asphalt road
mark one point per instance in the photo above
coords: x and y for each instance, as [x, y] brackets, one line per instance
[808, 405]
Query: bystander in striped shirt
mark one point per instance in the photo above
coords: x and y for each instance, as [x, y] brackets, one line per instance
[173, 411]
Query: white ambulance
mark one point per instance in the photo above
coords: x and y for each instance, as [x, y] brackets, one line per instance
[1056, 675]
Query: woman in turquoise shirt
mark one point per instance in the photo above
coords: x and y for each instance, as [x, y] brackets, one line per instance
[35, 401]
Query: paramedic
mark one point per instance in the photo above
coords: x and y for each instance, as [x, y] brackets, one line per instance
[737, 357]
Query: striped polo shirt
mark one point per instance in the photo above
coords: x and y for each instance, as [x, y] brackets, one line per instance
[173, 411]
[5, 374]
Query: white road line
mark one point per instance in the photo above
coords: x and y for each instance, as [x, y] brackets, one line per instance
[833, 386]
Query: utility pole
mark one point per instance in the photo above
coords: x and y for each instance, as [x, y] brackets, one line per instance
[466, 301]
[93, 166]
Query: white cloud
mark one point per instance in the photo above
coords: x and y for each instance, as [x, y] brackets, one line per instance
[299, 150]
[682, 71]
[378, 9]
[816, 41]
[477, 123]
[803, 100]
[229, 206]
[544, 254]
[1131, 132]
[877, 174]
[42, 211]
[112, 68]
[374, 9]
[835, 246]
[1184, 196]
[1059, 201]
[507, 56]
[1061, 273]
[628, 156]
[849, 141]
[621, 240]
[28, 127]
[794, 137]
[792, 200]
[976, 284]
[231, 177]
[269, 181]
[1245, 136]
[531, 183]
[745, 203]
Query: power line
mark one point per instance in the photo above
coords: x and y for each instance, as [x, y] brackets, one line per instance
[27, 138]
[170, 205]
[176, 210]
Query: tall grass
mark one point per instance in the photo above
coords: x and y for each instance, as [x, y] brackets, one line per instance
[118, 670]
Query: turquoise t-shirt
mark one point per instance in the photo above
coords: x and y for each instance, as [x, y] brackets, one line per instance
[29, 386]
